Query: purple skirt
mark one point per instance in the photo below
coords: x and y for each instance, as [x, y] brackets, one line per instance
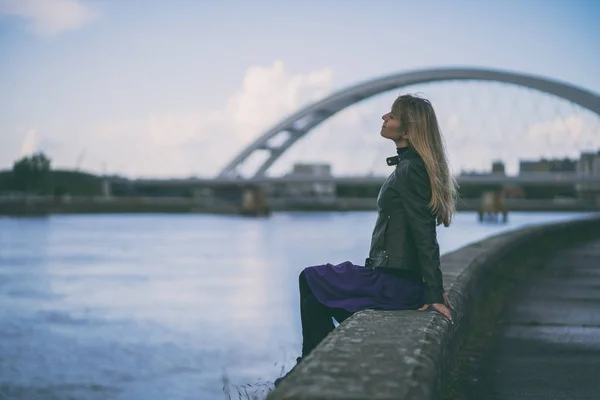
[355, 288]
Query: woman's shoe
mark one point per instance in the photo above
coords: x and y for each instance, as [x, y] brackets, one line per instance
[281, 379]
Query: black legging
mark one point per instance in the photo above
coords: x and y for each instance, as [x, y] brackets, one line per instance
[316, 317]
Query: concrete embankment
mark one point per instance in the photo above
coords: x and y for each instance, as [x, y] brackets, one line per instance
[545, 344]
[408, 354]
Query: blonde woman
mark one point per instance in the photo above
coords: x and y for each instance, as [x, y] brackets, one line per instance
[403, 268]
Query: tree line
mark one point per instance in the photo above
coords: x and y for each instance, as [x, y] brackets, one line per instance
[33, 174]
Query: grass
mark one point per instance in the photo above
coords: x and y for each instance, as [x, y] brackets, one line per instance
[258, 390]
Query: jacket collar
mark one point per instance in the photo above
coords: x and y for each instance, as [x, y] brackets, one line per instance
[408, 154]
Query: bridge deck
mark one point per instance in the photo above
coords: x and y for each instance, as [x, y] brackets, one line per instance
[548, 344]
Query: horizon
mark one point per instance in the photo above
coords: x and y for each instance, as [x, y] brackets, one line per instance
[461, 173]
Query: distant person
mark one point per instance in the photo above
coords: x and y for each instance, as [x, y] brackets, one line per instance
[402, 271]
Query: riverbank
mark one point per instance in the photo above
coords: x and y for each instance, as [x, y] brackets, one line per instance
[36, 206]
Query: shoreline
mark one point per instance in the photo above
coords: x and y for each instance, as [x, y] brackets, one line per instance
[117, 205]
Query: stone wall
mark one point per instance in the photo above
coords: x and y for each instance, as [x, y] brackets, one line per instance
[406, 355]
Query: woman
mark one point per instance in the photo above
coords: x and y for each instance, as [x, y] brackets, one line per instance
[403, 268]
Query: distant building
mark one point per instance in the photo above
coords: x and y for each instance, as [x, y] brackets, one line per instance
[302, 169]
[547, 166]
[589, 165]
[106, 189]
[498, 168]
[474, 173]
[312, 189]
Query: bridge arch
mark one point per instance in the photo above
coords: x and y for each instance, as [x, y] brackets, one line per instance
[303, 121]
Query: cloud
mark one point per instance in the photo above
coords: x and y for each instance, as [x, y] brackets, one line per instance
[270, 93]
[29, 144]
[179, 143]
[558, 130]
[176, 144]
[452, 122]
[557, 137]
[49, 17]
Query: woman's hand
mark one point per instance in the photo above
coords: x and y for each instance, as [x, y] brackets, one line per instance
[447, 302]
[443, 309]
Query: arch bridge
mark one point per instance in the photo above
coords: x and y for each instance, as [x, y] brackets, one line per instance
[302, 122]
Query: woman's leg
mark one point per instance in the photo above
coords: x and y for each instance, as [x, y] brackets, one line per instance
[316, 317]
[316, 321]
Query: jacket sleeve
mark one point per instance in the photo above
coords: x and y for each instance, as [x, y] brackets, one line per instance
[415, 196]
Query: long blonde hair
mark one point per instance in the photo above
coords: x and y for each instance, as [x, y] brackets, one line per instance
[418, 119]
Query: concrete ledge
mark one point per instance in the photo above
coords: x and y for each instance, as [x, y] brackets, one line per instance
[406, 354]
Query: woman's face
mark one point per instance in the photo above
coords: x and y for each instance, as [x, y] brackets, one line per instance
[391, 127]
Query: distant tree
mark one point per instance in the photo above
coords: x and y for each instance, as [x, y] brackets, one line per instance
[32, 173]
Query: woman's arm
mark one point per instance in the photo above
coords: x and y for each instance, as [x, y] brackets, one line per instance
[416, 195]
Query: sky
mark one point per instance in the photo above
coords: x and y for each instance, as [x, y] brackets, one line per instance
[162, 89]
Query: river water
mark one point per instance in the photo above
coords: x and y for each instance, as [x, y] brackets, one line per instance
[161, 307]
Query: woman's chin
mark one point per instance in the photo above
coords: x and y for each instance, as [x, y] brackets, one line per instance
[383, 135]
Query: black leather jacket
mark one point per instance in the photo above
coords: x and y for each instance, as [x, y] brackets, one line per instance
[405, 237]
